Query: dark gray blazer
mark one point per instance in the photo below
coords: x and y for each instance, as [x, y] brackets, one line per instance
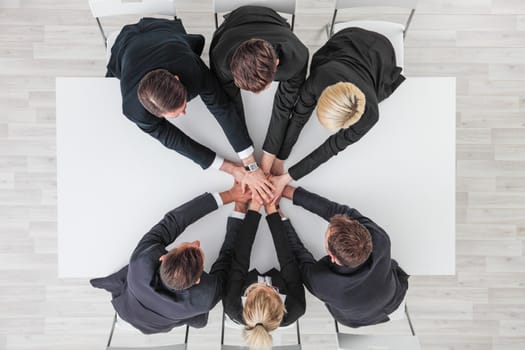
[254, 22]
[160, 43]
[140, 297]
[355, 297]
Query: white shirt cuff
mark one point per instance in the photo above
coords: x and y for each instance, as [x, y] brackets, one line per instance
[246, 153]
[218, 199]
[237, 215]
[268, 153]
[284, 218]
[217, 162]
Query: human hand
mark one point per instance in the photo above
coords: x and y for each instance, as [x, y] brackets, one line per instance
[261, 187]
[277, 167]
[272, 206]
[288, 192]
[239, 194]
[255, 205]
[280, 182]
[267, 161]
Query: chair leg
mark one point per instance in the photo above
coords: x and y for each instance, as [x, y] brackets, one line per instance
[409, 321]
[222, 329]
[332, 24]
[293, 21]
[104, 37]
[216, 20]
[112, 330]
[408, 22]
[298, 332]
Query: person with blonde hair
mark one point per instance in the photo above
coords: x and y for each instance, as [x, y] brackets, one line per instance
[263, 302]
[354, 71]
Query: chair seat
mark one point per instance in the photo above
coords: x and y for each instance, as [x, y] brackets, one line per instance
[392, 31]
[383, 342]
[277, 347]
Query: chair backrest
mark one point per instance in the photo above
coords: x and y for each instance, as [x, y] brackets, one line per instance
[228, 323]
[383, 342]
[104, 8]
[342, 4]
[284, 6]
[277, 347]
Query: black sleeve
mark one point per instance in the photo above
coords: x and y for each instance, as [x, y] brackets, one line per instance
[240, 264]
[333, 145]
[322, 206]
[221, 268]
[306, 102]
[283, 104]
[176, 221]
[223, 103]
[165, 132]
[295, 300]
[305, 259]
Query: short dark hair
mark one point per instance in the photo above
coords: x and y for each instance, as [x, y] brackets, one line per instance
[253, 65]
[182, 267]
[349, 241]
[160, 92]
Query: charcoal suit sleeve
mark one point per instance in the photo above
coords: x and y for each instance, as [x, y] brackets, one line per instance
[295, 300]
[323, 207]
[176, 221]
[221, 268]
[240, 264]
[223, 103]
[335, 144]
[303, 109]
[284, 101]
[168, 134]
[305, 260]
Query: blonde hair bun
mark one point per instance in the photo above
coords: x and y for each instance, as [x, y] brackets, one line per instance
[340, 106]
[263, 312]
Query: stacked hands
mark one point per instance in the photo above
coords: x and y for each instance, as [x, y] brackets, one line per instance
[265, 184]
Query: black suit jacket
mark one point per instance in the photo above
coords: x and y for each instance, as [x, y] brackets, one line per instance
[366, 59]
[288, 279]
[249, 22]
[138, 294]
[355, 297]
[159, 43]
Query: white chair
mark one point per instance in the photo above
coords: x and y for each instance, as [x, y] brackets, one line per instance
[346, 341]
[119, 323]
[229, 323]
[284, 6]
[395, 32]
[107, 8]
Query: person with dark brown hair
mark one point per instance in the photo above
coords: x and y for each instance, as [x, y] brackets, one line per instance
[159, 289]
[160, 70]
[253, 47]
[358, 281]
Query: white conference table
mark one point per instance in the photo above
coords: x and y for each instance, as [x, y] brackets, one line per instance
[115, 182]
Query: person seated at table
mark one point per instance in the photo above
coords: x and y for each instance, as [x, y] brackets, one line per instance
[253, 47]
[161, 289]
[263, 302]
[354, 71]
[160, 71]
[358, 281]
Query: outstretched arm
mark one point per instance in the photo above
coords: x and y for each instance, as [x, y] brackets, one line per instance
[321, 206]
[176, 221]
[295, 299]
[240, 265]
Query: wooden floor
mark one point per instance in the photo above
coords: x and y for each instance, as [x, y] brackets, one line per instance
[481, 42]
